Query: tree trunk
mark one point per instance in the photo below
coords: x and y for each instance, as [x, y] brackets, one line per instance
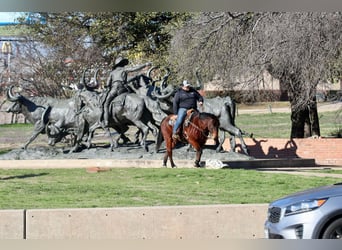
[305, 122]
[298, 121]
[314, 120]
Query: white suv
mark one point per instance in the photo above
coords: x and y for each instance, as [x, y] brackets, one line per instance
[310, 214]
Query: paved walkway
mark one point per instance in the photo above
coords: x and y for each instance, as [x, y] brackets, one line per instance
[306, 172]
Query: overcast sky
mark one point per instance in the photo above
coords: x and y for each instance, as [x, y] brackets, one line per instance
[9, 16]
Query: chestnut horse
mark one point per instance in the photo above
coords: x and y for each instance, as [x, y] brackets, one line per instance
[195, 130]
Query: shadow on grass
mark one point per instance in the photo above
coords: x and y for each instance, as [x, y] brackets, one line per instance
[22, 176]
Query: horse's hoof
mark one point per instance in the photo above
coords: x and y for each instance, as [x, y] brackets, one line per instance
[74, 150]
[197, 165]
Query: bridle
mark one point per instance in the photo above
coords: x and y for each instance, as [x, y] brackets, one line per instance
[188, 122]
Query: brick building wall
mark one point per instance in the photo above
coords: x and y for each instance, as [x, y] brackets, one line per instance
[325, 151]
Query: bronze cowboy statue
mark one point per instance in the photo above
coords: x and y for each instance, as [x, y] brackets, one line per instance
[117, 83]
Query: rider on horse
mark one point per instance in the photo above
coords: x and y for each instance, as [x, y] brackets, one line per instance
[117, 81]
[185, 98]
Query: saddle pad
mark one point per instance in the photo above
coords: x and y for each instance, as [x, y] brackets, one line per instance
[172, 120]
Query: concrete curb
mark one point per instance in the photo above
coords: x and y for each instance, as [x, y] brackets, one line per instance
[88, 163]
[141, 163]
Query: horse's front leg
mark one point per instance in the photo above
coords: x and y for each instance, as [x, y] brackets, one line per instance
[144, 130]
[113, 143]
[244, 146]
[166, 156]
[198, 158]
[221, 141]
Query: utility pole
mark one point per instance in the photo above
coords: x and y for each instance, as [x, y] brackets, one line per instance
[7, 51]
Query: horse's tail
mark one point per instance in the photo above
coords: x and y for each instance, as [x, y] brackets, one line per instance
[160, 137]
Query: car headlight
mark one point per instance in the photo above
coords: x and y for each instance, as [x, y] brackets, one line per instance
[304, 206]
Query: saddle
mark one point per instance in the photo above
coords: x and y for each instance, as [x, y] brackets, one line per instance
[119, 100]
[172, 120]
[185, 123]
[187, 119]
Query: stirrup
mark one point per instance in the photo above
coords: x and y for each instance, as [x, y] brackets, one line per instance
[175, 137]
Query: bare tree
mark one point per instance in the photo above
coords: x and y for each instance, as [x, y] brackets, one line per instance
[300, 49]
[55, 54]
[93, 40]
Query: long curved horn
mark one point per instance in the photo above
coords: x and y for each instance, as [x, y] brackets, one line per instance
[95, 78]
[82, 80]
[93, 82]
[164, 84]
[10, 96]
[150, 71]
[198, 80]
[168, 72]
[169, 89]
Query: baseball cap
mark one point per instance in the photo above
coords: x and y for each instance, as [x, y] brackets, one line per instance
[186, 83]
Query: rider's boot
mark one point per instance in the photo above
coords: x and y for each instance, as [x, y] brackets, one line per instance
[176, 136]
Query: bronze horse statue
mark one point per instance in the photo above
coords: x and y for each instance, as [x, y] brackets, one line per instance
[195, 131]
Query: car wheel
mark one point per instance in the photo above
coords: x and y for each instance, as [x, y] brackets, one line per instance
[334, 230]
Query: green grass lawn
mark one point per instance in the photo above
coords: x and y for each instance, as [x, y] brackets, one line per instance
[278, 125]
[75, 188]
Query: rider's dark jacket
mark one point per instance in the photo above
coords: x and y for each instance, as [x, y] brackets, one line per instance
[186, 99]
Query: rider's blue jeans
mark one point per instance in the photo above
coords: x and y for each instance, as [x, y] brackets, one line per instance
[180, 118]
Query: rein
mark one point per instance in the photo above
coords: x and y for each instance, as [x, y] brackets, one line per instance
[188, 121]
